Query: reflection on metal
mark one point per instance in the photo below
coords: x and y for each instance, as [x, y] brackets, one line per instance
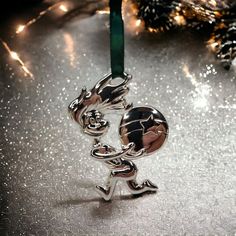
[142, 131]
[86, 109]
[70, 48]
[146, 127]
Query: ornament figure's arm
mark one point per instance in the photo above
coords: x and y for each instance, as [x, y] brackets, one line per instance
[135, 155]
[107, 153]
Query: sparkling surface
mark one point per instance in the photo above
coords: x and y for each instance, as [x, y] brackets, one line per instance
[47, 174]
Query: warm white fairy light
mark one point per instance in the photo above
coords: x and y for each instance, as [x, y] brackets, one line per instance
[26, 70]
[20, 28]
[63, 8]
[130, 11]
[138, 23]
[104, 11]
[180, 20]
[134, 25]
[16, 57]
[152, 30]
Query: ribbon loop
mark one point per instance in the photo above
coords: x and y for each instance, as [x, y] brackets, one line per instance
[116, 38]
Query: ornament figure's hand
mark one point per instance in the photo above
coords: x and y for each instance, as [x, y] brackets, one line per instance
[105, 152]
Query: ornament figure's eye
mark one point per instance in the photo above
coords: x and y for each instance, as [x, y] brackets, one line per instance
[98, 119]
[92, 121]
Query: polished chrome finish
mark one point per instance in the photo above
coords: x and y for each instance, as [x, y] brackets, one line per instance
[143, 130]
[88, 107]
[146, 127]
[121, 168]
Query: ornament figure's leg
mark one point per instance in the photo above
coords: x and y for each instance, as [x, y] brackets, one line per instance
[107, 193]
[136, 188]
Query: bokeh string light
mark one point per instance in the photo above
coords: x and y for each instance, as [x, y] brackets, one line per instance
[194, 14]
[103, 12]
[13, 55]
[60, 6]
[217, 18]
[20, 28]
[63, 8]
[70, 48]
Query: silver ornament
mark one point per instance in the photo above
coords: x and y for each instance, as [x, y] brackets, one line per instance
[142, 131]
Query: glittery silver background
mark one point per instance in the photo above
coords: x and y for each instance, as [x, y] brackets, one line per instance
[47, 175]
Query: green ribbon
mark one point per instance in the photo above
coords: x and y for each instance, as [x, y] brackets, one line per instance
[116, 38]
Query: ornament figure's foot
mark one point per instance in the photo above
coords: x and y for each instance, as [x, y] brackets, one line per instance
[103, 193]
[150, 186]
[106, 194]
[146, 186]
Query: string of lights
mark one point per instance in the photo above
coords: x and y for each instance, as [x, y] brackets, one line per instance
[16, 57]
[20, 28]
[157, 16]
[214, 16]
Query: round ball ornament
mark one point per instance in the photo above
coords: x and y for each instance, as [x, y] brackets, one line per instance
[146, 127]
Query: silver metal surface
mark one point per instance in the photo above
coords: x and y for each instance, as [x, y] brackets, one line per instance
[121, 169]
[47, 177]
[86, 109]
[142, 129]
[146, 127]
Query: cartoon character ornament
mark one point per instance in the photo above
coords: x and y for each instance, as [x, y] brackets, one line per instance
[142, 131]
[88, 107]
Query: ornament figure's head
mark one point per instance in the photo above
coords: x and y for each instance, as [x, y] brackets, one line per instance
[87, 109]
[146, 127]
[94, 124]
[91, 121]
